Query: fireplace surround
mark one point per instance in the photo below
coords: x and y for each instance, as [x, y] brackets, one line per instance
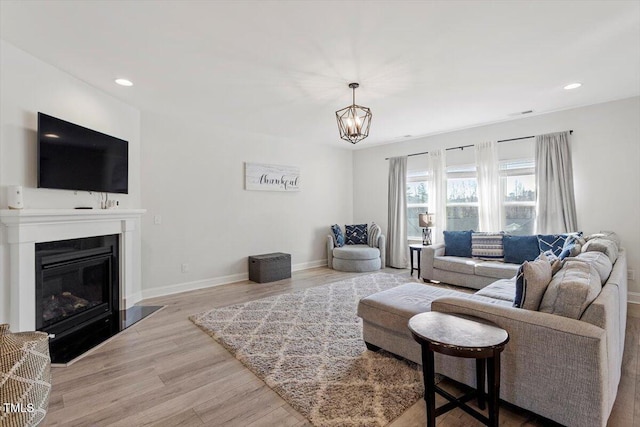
[23, 229]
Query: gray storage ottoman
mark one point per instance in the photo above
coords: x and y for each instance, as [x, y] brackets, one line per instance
[269, 267]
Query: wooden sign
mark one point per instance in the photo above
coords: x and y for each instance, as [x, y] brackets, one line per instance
[262, 177]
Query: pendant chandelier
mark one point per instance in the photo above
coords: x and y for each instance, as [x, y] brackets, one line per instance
[354, 120]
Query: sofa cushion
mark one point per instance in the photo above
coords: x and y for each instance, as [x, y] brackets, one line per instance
[392, 308]
[499, 270]
[456, 264]
[531, 283]
[355, 234]
[606, 246]
[571, 290]
[599, 261]
[457, 243]
[503, 289]
[338, 237]
[518, 249]
[487, 246]
[356, 252]
[374, 233]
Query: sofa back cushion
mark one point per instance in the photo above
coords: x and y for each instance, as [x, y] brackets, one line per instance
[599, 261]
[457, 243]
[356, 234]
[606, 246]
[487, 246]
[571, 290]
[518, 249]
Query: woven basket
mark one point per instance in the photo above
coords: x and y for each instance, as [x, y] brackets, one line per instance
[25, 377]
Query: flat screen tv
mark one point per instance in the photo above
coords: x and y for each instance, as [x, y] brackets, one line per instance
[72, 157]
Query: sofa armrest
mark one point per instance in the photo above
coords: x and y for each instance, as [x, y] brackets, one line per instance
[382, 245]
[330, 251]
[548, 355]
[426, 261]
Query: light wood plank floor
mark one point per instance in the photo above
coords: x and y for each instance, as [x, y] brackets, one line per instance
[165, 371]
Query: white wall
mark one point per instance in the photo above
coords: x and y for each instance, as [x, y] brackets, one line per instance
[28, 86]
[606, 164]
[193, 178]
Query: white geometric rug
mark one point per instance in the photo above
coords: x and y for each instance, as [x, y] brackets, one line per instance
[307, 346]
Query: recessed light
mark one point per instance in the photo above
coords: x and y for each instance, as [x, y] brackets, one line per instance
[572, 86]
[51, 135]
[408, 136]
[124, 82]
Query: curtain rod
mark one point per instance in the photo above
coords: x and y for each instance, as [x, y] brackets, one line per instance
[462, 147]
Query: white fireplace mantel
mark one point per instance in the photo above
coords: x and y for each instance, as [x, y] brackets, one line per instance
[22, 229]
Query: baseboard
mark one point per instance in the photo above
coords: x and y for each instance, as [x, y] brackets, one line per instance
[132, 299]
[308, 265]
[633, 297]
[192, 286]
[214, 281]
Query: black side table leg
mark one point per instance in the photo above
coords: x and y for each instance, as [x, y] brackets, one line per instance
[428, 373]
[480, 378]
[493, 373]
[419, 256]
[411, 256]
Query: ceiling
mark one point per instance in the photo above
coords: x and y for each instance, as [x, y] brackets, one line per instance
[280, 69]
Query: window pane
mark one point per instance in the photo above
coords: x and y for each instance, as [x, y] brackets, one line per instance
[461, 218]
[462, 190]
[520, 219]
[417, 193]
[413, 227]
[520, 188]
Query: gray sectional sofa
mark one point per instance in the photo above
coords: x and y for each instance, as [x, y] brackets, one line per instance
[565, 369]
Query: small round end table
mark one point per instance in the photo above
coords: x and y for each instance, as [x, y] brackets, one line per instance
[466, 337]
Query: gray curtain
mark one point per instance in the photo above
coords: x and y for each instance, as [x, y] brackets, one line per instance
[397, 249]
[556, 202]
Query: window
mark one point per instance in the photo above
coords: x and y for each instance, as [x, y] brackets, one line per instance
[417, 200]
[519, 196]
[462, 198]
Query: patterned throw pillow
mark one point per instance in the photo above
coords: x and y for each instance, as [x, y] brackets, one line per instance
[374, 233]
[487, 246]
[356, 234]
[556, 242]
[338, 237]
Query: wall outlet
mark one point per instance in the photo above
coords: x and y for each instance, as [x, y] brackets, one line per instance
[631, 275]
[184, 268]
[157, 219]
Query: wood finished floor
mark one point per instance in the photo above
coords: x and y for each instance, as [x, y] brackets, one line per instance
[165, 371]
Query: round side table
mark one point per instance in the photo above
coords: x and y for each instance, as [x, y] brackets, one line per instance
[466, 337]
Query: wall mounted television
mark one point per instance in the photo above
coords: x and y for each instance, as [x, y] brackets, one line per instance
[72, 157]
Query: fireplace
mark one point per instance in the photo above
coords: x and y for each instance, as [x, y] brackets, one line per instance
[77, 289]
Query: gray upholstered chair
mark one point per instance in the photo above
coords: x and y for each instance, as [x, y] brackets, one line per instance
[356, 258]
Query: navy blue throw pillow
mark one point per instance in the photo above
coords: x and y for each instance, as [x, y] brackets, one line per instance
[552, 242]
[520, 289]
[338, 237]
[356, 234]
[518, 249]
[457, 243]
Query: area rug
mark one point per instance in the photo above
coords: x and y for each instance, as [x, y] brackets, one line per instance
[307, 346]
